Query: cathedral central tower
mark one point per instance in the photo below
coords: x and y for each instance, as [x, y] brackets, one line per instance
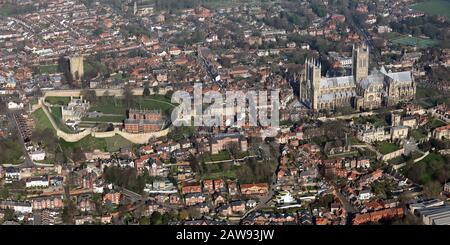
[360, 56]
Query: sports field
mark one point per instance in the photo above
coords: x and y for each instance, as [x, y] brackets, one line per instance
[414, 41]
[434, 7]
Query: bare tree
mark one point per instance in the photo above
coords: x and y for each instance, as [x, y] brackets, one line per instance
[128, 96]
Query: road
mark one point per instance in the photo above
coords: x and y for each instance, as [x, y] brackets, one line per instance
[367, 38]
[132, 195]
[13, 117]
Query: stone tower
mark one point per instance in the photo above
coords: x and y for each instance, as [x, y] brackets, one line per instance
[360, 62]
[77, 67]
[395, 119]
[312, 76]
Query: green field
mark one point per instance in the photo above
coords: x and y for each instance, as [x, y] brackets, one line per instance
[11, 151]
[221, 156]
[385, 147]
[414, 41]
[56, 111]
[220, 175]
[419, 133]
[355, 141]
[41, 120]
[426, 92]
[434, 7]
[436, 123]
[432, 167]
[112, 105]
[48, 69]
[55, 100]
[90, 143]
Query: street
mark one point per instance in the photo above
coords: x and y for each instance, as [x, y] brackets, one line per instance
[13, 116]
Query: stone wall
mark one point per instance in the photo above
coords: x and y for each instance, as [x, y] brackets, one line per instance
[393, 154]
[98, 92]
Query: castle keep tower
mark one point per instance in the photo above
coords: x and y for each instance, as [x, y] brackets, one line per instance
[77, 67]
[360, 62]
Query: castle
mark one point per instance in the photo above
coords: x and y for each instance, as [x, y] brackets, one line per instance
[360, 90]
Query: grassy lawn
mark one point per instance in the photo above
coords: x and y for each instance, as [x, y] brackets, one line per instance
[48, 69]
[220, 171]
[244, 154]
[426, 92]
[11, 151]
[56, 111]
[54, 100]
[385, 147]
[90, 143]
[221, 156]
[220, 175]
[111, 105]
[41, 120]
[431, 168]
[355, 141]
[436, 123]
[414, 41]
[419, 133]
[434, 7]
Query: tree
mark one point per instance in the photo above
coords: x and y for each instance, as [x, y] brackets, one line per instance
[9, 214]
[68, 211]
[432, 189]
[89, 95]
[63, 66]
[234, 149]
[128, 96]
[183, 215]
[146, 91]
[144, 221]
[4, 192]
[156, 218]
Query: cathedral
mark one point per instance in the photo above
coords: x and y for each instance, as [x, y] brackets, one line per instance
[361, 90]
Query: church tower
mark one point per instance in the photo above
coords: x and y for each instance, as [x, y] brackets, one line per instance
[312, 75]
[360, 57]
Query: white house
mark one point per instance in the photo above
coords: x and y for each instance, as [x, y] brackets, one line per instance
[41, 181]
[98, 189]
[17, 206]
[37, 155]
[365, 195]
[15, 106]
[11, 174]
[284, 197]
